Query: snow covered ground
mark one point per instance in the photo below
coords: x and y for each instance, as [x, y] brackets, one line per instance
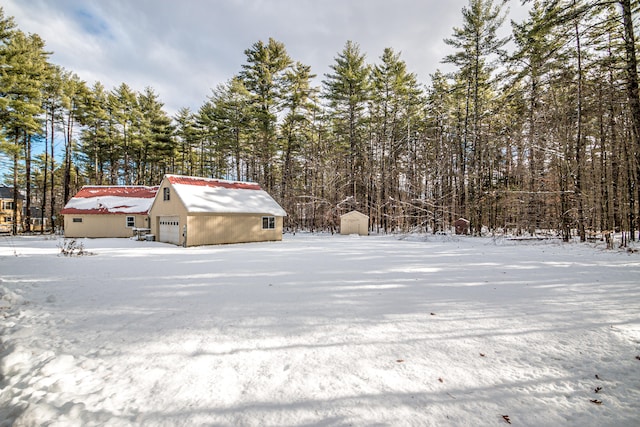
[319, 331]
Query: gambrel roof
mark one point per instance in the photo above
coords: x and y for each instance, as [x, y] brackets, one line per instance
[116, 199]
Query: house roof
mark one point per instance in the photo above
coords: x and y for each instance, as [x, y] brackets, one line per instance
[7, 193]
[209, 195]
[106, 200]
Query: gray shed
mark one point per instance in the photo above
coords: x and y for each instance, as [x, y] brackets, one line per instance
[354, 222]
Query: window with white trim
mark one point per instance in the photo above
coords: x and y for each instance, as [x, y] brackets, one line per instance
[131, 222]
[268, 222]
[166, 193]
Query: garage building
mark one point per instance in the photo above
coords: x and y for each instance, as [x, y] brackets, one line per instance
[192, 211]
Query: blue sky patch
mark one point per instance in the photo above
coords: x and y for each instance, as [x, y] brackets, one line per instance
[92, 24]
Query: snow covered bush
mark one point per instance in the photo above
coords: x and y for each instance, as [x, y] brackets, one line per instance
[71, 247]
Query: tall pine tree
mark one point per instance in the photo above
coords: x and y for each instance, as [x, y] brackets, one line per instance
[347, 91]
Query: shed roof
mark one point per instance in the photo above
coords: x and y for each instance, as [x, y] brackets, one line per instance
[356, 214]
[107, 200]
[209, 195]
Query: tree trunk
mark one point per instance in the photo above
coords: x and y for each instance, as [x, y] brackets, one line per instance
[27, 165]
[53, 179]
[633, 94]
[14, 224]
[579, 151]
[67, 159]
[43, 205]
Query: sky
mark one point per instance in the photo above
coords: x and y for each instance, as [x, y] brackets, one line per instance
[184, 49]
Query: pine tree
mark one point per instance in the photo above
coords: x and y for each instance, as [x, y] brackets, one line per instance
[74, 98]
[296, 129]
[477, 48]
[157, 146]
[347, 92]
[187, 135]
[262, 76]
[633, 91]
[23, 73]
[52, 104]
[7, 32]
[226, 120]
[95, 135]
[394, 96]
[441, 153]
[123, 108]
[534, 60]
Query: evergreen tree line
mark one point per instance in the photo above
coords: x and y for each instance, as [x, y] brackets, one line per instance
[545, 137]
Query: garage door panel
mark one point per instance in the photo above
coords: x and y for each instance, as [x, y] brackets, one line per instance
[169, 228]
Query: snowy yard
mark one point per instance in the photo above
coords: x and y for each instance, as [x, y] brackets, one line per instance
[319, 331]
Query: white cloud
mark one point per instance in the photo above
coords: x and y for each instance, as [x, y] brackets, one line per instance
[183, 49]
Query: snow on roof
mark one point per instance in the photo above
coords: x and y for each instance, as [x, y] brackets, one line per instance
[222, 196]
[120, 199]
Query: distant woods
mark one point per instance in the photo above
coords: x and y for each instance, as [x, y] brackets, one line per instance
[545, 137]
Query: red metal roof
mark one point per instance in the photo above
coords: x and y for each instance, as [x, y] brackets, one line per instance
[117, 190]
[97, 211]
[105, 200]
[211, 182]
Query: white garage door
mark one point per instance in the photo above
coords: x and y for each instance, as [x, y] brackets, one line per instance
[169, 229]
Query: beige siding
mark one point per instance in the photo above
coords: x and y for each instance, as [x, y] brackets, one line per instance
[171, 207]
[229, 228]
[354, 222]
[6, 215]
[113, 225]
[210, 228]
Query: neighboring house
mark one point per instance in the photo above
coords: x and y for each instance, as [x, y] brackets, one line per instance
[193, 211]
[7, 210]
[108, 211]
[39, 222]
[354, 222]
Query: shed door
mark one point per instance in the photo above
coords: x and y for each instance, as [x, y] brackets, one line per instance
[350, 226]
[169, 229]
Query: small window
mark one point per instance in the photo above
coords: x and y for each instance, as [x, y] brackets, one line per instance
[77, 219]
[7, 206]
[131, 221]
[166, 193]
[8, 219]
[268, 222]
